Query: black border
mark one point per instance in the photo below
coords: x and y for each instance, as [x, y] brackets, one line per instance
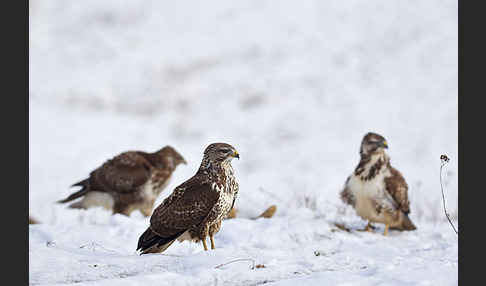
[15, 133]
[471, 121]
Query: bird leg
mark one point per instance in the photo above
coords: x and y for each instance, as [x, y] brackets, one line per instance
[121, 208]
[385, 233]
[147, 211]
[204, 244]
[146, 208]
[212, 242]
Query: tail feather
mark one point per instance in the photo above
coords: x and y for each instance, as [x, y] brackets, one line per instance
[150, 242]
[82, 183]
[406, 224]
[78, 194]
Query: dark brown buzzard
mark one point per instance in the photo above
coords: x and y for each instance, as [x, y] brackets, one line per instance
[377, 191]
[131, 180]
[196, 208]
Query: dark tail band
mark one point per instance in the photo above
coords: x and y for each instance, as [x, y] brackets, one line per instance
[407, 223]
[150, 242]
[83, 183]
[78, 194]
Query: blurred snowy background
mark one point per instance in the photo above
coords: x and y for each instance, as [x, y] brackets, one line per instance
[293, 86]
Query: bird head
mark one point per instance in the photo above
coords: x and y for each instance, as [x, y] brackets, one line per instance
[372, 143]
[171, 157]
[220, 152]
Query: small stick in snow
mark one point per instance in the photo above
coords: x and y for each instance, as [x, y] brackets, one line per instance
[268, 213]
[93, 246]
[341, 227]
[32, 220]
[443, 161]
[50, 243]
[236, 260]
[232, 213]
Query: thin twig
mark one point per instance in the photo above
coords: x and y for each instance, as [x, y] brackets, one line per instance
[93, 246]
[341, 227]
[444, 160]
[236, 260]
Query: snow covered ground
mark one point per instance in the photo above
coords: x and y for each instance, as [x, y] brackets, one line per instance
[292, 85]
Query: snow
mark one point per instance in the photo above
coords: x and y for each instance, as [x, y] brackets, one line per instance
[286, 246]
[292, 86]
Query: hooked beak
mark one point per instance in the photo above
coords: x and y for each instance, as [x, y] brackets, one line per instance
[236, 155]
[184, 161]
[384, 144]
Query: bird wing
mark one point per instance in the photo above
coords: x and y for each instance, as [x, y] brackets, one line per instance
[186, 207]
[398, 189]
[346, 194]
[122, 174]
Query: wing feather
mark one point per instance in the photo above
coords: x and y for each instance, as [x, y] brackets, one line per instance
[397, 187]
[122, 174]
[185, 208]
[346, 194]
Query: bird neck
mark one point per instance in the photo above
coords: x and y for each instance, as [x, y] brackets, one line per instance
[162, 161]
[215, 168]
[371, 164]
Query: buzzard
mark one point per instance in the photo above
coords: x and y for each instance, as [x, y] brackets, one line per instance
[196, 208]
[376, 190]
[131, 180]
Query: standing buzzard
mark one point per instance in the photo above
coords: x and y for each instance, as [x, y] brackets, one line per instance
[131, 180]
[376, 190]
[195, 208]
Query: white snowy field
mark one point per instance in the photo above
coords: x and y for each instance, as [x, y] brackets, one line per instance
[293, 86]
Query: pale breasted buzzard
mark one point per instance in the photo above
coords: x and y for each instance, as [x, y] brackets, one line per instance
[376, 190]
[131, 180]
[195, 208]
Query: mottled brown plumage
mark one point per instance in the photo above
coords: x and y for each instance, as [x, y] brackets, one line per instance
[196, 208]
[398, 189]
[377, 191]
[131, 180]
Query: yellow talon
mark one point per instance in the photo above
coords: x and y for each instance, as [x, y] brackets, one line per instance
[386, 230]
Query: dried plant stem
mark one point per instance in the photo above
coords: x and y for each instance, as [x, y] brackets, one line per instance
[93, 246]
[236, 260]
[443, 163]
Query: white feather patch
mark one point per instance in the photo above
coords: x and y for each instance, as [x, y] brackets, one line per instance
[97, 199]
[369, 191]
